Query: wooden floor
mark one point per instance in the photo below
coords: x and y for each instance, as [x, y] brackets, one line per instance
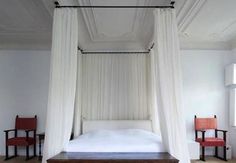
[21, 159]
[214, 160]
[110, 157]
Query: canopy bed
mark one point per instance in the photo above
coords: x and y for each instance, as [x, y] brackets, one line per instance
[116, 136]
[114, 141]
[87, 88]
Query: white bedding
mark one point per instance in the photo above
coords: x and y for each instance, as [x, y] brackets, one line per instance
[125, 140]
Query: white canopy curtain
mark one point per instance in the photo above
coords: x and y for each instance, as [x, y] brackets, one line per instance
[77, 125]
[167, 76]
[62, 84]
[115, 87]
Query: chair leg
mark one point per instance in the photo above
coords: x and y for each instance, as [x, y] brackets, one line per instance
[15, 150]
[34, 150]
[203, 153]
[7, 155]
[216, 151]
[225, 153]
[27, 152]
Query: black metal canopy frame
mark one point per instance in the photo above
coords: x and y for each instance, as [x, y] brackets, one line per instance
[116, 52]
[170, 6]
[57, 5]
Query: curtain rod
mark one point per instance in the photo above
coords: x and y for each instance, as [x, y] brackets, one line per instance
[116, 52]
[171, 6]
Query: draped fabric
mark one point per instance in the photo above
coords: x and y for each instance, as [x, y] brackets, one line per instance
[78, 100]
[152, 95]
[167, 76]
[62, 84]
[115, 87]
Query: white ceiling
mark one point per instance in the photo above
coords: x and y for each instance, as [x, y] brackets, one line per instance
[114, 29]
[210, 24]
[25, 23]
[203, 24]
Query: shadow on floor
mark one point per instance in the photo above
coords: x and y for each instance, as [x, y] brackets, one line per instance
[19, 160]
[213, 160]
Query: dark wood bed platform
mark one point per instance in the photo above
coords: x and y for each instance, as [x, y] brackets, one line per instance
[84, 157]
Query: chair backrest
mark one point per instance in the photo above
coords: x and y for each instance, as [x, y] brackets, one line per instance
[205, 123]
[26, 123]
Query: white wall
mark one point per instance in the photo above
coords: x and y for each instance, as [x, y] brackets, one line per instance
[232, 130]
[25, 75]
[23, 88]
[204, 92]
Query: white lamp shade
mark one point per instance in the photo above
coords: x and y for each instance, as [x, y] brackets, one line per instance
[230, 75]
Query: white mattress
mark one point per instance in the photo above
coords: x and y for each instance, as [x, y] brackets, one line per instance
[125, 140]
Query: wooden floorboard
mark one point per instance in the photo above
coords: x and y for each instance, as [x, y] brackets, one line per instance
[21, 159]
[109, 157]
[214, 160]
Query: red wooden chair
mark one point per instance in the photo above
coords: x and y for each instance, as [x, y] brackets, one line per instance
[24, 124]
[204, 124]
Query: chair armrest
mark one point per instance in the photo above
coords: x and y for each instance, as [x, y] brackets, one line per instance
[224, 133]
[9, 130]
[30, 130]
[221, 130]
[7, 133]
[27, 133]
[203, 134]
[201, 131]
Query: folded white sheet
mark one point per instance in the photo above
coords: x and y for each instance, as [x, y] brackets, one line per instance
[125, 140]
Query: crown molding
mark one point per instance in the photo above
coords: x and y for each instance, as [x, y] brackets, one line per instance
[188, 12]
[147, 35]
[25, 45]
[89, 19]
[233, 44]
[205, 45]
[229, 32]
[67, 2]
[25, 40]
[99, 36]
